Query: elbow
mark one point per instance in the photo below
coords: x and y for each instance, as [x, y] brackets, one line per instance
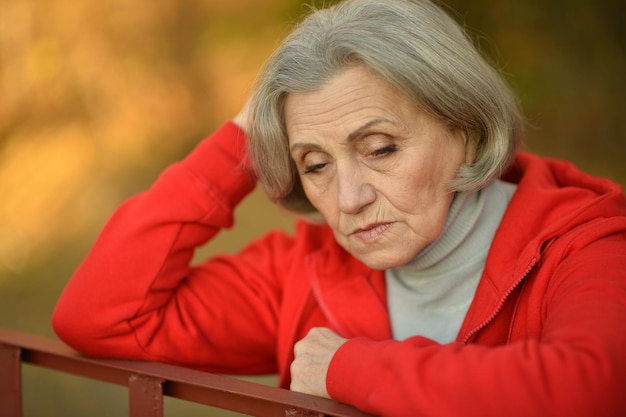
[76, 329]
[70, 327]
[94, 334]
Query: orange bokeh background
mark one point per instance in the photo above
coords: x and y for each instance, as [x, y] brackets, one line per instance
[97, 97]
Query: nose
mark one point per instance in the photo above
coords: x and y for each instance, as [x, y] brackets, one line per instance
[354, 192]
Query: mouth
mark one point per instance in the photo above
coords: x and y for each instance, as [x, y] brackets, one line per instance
[371, 232]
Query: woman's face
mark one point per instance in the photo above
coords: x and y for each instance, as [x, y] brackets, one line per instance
[374, 166]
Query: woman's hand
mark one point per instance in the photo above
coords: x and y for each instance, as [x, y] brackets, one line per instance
[313, 356]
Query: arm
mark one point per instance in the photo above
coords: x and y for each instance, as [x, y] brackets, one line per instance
[136, 296]
[576, 368]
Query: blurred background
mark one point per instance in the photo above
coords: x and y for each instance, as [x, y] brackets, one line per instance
[97, 97]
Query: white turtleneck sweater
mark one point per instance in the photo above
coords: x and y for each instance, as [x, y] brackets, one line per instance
[431, 294]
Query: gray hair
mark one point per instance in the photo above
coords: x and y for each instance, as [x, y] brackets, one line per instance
[416, 47]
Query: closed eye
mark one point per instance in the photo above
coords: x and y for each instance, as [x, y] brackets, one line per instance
[313, 168]
[384, 151]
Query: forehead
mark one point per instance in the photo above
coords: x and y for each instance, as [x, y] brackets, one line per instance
[350, 99]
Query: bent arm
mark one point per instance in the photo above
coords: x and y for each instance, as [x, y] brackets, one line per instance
[577, 367]
[136, 296]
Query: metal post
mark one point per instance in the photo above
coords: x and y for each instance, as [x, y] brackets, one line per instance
[145, 396]
[10, 381]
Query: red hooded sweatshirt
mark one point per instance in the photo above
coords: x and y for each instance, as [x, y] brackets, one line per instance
[544, 336]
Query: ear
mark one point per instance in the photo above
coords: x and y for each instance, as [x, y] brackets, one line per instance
[470, 142]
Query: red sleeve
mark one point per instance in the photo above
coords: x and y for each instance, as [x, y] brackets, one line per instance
[136, 296]
[576, 368]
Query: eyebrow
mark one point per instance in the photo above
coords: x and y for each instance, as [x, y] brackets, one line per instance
[351, 137]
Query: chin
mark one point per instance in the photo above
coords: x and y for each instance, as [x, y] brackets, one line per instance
[382, 262]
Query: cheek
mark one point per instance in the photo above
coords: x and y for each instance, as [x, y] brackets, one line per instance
[414, 185]
[321, 198]
[437, 171]
[422, 187]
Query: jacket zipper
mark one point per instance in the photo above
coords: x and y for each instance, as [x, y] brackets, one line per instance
[484, 324]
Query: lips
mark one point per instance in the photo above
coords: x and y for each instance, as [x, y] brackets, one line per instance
[371, 232]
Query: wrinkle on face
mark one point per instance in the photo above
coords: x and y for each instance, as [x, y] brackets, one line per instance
[369, 159]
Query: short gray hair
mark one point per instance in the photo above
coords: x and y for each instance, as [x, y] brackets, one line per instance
[416, 47]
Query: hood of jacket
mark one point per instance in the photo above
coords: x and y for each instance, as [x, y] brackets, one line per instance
[553, 200]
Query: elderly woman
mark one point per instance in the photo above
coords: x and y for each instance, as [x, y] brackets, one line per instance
[435, 270]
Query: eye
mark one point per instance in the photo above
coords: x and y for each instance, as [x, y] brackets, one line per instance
[313, 168]
[385, 150]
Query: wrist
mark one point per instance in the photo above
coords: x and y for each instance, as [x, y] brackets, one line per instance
[221, 161]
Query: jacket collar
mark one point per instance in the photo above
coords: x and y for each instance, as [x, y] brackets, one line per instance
[553, 200]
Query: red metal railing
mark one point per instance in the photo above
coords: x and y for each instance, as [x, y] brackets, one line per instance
[148, 382]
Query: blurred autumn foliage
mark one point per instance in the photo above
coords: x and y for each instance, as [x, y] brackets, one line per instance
[97, 97]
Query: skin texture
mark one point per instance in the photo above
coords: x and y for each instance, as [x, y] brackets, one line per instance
[313, 356]
[377, 168]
